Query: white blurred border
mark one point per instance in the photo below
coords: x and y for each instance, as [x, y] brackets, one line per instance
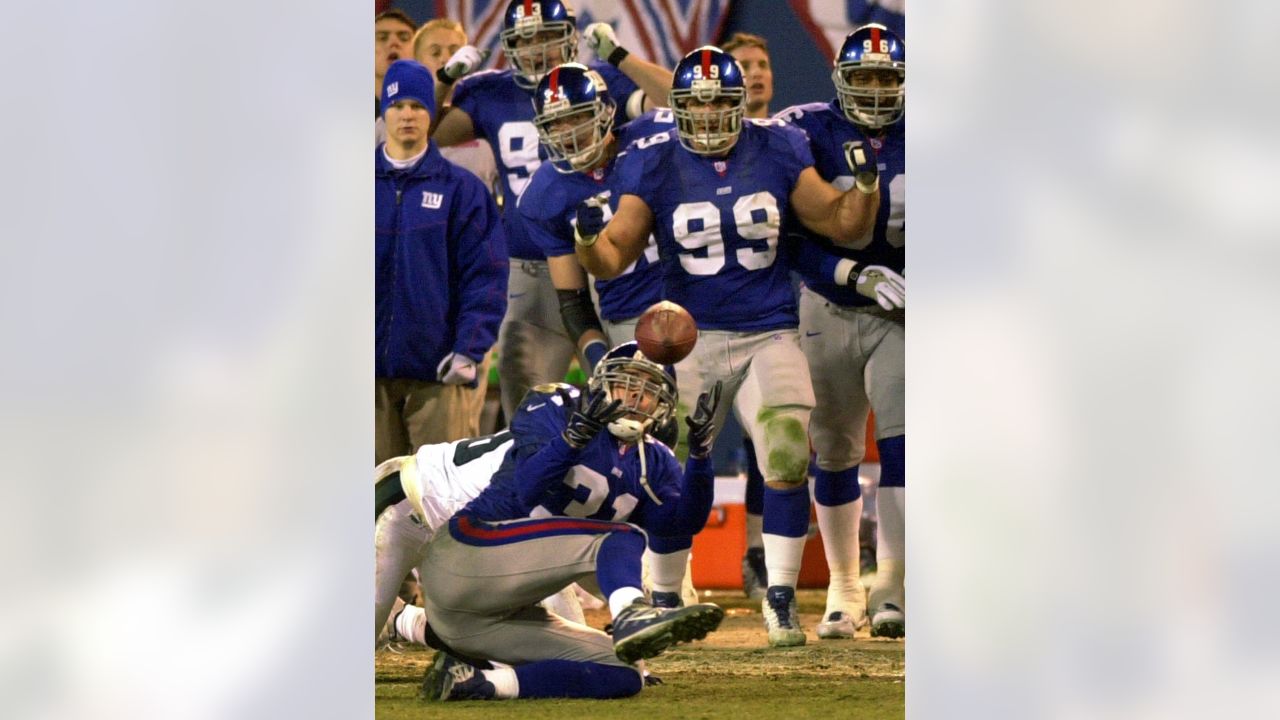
[1092, 354]
[187, 313]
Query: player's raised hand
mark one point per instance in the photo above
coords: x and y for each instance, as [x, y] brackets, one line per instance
[601, 39]
[595, 412]
[880, 284]
[590, 220]
[861, 160]
[701, 423]
[460, 64]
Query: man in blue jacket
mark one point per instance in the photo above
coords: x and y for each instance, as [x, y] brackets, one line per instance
[441, 276]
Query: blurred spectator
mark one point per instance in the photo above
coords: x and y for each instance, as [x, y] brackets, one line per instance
[752, 53]
[441, 276]
[392, 38]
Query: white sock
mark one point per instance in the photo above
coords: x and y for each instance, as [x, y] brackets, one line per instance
[621, 598]
[839, 527]
[565, 604]
[666, 570]
[505, 683]
[890, 548]
[755, 528]
[782, 556]
[411, 623]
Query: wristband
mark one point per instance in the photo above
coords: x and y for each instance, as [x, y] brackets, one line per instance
[585, 241]
[617, 56]
[871, 189]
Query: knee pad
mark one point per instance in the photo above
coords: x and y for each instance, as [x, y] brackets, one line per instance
[785, 446]
[838, 487]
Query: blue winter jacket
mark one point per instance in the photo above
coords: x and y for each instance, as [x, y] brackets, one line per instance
[441, 266]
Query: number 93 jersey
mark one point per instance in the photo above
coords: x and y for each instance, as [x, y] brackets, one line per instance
[502, 114]
[717, 222]
[815, 256]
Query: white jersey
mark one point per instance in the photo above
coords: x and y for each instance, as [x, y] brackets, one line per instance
[438, 480]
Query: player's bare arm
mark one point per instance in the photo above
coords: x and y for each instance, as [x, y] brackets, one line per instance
[654, 80]
[607, 253]
[845, 217]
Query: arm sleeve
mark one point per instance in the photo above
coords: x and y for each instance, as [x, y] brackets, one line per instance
[481, 270]
[682, 512]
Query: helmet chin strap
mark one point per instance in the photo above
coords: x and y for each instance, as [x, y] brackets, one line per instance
[628, 430]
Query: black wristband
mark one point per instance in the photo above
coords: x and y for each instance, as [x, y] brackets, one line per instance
[443, 77]
[617, 56]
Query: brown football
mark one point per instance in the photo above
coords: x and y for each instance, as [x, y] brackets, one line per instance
[666, 333]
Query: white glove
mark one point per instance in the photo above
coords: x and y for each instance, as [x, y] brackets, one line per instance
[882, 285]
[462, 63]
[602, 40]
[456, 369]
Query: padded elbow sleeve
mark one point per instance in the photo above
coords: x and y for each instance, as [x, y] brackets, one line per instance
[578, 313]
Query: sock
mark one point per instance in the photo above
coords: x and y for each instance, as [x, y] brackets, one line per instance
[618, 561]
[565, 604]
[411, 624]
[573, 679]
[755, 496]
[786, 523]
[667, 559]
[506, 683]
[838, 502]
[622, 597]
[891, 536]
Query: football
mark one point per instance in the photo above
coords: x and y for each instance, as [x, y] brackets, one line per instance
[666, 333]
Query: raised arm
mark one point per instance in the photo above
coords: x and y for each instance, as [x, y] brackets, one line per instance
[606, 252]
[654, 80]
[845, 217]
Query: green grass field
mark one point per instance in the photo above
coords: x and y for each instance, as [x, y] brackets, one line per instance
[733, 674]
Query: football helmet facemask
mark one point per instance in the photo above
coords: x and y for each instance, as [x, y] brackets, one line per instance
[573, 114]
[536, 36]
[870, 76]
[647, 390]
[709, 100]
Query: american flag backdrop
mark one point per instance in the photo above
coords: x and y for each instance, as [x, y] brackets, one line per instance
[828, 21]
[658, 30]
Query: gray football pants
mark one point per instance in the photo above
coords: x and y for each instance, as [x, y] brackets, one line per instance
[857, 360]
[481, 599]
[533, 347]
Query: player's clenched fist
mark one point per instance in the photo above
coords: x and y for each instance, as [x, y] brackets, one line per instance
[590, 221]
[861, 160]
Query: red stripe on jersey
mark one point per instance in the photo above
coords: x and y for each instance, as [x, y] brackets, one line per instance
[529, 528]
[706, 64]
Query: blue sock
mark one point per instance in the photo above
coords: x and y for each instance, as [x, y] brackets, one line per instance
[836, 487]
[786, 512]
[893, 461]
[618, 561]
[664, 544]
[755, 481]
[573, 679]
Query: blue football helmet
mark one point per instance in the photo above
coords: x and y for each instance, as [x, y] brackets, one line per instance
[712, 79]
[573, 114]
[870, 76]
[647, 389]
[537, 35]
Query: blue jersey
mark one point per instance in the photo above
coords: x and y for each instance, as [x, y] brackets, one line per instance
[502, 114]
[717, 222]
[550, 208]
[543, 476]
[816, 256]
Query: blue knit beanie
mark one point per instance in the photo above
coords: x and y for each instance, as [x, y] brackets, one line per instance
[409, 80]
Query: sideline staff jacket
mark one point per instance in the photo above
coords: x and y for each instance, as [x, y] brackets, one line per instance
[441, 266]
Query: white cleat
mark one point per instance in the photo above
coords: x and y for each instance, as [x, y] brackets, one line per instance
[889, 621]
[838, 625]
[780, 617]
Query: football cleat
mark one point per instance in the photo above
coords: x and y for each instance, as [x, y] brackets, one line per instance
[755, 577]
[642, 631]
[449, 678]
[889, 621]
[780, 617]
[666, 599]
[839, 625]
